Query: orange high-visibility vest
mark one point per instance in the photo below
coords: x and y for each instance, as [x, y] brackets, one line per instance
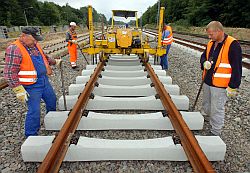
[169, 39]
[27, 74]
[73, 37]
[223, 69]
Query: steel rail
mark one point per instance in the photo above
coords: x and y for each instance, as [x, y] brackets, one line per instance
[244, 55]
[246, 42]
[4, 83]
[197, 158]
[58, 150]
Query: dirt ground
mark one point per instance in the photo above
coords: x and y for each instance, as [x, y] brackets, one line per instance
[48, 38]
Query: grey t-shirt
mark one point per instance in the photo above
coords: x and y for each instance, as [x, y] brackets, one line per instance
[68, 36]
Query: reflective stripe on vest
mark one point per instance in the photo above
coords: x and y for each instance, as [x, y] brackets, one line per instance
[27, 74]
[27, 80]
[168, 40]
[223, 70]
[221, 75]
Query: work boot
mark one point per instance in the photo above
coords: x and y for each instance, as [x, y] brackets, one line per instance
[166, 70]
[205, 116]
[75, 67]
[212, 134]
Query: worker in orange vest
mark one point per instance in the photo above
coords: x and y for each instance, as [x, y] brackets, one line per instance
[71, 38]
[167, 39]
[221, 63]
[26, 71]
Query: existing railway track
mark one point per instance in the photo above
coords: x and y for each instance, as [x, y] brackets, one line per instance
[103, 87]
[201, 47]
[54, 50]
[245, 42]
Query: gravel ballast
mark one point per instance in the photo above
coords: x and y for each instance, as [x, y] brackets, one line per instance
[185, 71]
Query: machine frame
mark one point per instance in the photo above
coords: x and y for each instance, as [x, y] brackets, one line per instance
[103, 48]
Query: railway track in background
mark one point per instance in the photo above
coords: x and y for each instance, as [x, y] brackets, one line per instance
[245, 42]
[123, 83]
[201, 47]
[55, 50]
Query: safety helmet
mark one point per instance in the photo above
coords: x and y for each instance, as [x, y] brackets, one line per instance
[72, 24]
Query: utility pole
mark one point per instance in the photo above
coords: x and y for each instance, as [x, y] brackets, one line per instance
[141, 21]
[25, 15]
[102, 28]
[158, 12]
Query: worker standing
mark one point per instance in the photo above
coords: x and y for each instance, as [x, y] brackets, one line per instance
[167, 39]
[71, 38]
[221, 63]
[26, 71]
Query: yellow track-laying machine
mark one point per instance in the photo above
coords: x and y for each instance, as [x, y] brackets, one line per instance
[123, 40]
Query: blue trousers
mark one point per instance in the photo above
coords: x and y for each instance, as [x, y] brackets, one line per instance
[40, 90]
[164, 59]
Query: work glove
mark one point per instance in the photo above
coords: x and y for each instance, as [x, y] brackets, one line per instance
[58, 62]
[231, 92]
[207, 65]
[21, 93]
[74, 41]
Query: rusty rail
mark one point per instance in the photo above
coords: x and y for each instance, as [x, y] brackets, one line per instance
[57, 152]
[4, 84]
[191, 147]
[244, 55]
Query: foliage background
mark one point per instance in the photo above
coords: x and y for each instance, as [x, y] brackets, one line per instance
[232, 13]
[42, 13]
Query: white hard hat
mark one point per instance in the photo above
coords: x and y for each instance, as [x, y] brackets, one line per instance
[72, 24]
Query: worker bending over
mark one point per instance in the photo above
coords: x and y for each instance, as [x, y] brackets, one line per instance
[26, 71]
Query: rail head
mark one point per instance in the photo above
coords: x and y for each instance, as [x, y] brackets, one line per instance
[58, 150]
[197, 158]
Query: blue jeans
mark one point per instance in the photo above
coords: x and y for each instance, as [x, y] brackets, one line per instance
[40, 90]
[164, 58]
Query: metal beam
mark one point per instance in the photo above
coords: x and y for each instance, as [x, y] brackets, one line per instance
[192, 149]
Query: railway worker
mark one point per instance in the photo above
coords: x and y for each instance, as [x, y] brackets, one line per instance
[26, 71]
[71, 38]
[167, 39]
[222, 69]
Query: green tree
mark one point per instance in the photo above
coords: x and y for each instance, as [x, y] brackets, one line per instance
[11, 13]
[232, 13]
[42, 13]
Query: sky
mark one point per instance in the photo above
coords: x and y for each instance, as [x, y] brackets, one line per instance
[106, 6]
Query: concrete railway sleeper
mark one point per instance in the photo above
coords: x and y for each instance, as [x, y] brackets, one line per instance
[116, 89]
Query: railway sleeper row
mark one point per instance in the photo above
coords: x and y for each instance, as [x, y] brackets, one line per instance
[123, 85]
